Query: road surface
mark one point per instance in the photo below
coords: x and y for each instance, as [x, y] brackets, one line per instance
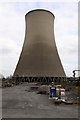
[19, 102]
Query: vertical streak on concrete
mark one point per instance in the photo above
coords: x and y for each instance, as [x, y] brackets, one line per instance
[79, 49]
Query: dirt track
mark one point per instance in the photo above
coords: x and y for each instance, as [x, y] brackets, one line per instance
[18, 102]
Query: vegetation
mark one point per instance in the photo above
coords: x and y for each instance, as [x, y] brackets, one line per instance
[69, 83]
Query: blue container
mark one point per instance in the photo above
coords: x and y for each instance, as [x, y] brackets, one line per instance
[53, 91]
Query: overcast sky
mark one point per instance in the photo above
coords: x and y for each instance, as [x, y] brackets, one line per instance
[12, 32]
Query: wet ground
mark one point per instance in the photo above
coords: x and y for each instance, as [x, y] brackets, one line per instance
[19, 102]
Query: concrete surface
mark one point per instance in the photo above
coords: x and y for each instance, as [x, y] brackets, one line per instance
[19, 102]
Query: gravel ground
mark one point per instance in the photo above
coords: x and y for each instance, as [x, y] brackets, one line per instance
[19, 102]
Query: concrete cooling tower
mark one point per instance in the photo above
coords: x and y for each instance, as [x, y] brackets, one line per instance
[39, 56]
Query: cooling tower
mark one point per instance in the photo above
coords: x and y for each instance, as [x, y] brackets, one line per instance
[39, 56]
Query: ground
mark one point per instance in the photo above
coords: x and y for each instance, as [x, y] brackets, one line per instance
[19, 102]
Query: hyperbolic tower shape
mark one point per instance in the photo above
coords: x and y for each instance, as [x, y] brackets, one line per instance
[39, 56]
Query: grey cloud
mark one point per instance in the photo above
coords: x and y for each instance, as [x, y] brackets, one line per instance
[5, 51]
[12, 31]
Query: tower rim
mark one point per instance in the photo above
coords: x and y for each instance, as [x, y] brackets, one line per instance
[39, 10]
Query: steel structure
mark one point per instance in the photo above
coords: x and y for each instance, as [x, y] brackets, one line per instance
[74, 73]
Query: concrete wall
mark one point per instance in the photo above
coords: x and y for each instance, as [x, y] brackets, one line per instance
[39, 56]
